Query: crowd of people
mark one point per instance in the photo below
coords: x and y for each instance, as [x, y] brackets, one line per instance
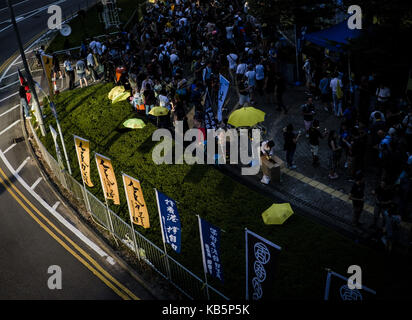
[179, 49]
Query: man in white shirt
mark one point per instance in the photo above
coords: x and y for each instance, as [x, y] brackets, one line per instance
[337, 103]
[251, 80]
[260, 77]
[267, 151]
[174, 58]
[91, 66]
[232, 59]
[383, 94]
[241, 70]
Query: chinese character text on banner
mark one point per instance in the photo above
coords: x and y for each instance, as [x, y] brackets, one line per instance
[107, 178]
[261, 259]
[170, 221]
[135, 201]
[83, 156]
[210, 240]
[223, 89]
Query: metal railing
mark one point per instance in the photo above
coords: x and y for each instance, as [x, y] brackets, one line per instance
[183, 279]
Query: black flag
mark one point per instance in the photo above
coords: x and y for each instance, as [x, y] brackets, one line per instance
[261, 261]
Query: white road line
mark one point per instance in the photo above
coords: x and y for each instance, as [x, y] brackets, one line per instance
[56, 205]
[10, 84]
[14, 5]
[10, 110]
[10, 126]
[10, 75]
[57, 215]
[36, 183]
[32, 13]
[9, 148]
[22, 165]
[8, 97]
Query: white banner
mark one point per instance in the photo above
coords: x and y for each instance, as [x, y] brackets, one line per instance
[223, 89]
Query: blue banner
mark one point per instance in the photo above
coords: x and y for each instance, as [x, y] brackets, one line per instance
[169, 220]
[223, 89]
[210, 241]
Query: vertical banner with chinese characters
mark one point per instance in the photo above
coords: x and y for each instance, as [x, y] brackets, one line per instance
[169, 221]
[83, 156]
[135, 201]
[261, 260]
[223, 89]
[47, 63]
[107, 178]
[337, 289]
[210, 242]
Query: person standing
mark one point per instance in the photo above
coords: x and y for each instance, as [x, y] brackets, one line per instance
[336, 87]
[260, 77]
[308, 111]
[290, 142]
[81, 72]
[280, 90]
[91, 66]
[383, 195]
[232, 60]
[335, 154]
[69, 72]
[325, 92]
[267, 152]
[251, 81]
[23, 101]
[314, 136]
[357, 195]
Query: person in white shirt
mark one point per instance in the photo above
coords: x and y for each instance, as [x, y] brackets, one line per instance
[232, 59]
[91, 66]
[260, 77]
[267, 152]
[174, 58]
[337, 103]
[251, 79]
[383, 94]
[308, 72]
[241, 70]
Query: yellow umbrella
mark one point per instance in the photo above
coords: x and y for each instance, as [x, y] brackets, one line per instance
[246, 117]
[159, 111]
[278, 213]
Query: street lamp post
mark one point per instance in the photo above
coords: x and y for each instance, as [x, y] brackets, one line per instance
[26, 67]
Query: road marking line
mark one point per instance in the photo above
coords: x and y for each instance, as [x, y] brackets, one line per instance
[10, 84]
[22, 165]
[10, 126]
[14, 5]
[34, 185]
[61, 242]
[11, 147]
[56, 205]
[10, 75]
[10, 110]
[64, 222]
[4, 99]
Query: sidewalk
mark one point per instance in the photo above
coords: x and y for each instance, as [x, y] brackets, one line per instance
[309, 186]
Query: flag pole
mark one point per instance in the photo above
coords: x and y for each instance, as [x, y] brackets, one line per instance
[247, 282]
[131, 218]
[203, 256]
[163, 236]
[111, 229]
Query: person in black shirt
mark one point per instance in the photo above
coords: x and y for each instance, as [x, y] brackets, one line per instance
[291, 140]
[280, 90]
[314, 136]
[357, 195]
[308, 111]
[383, 194]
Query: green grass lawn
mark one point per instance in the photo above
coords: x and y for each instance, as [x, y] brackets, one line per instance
[307, 247]
[91, 26]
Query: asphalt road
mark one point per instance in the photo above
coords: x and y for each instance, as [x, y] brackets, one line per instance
[31, 17]
[36, 230]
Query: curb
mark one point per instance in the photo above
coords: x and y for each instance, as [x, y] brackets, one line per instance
[50, 183]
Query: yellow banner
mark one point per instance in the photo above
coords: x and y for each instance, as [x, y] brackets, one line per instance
[107, 178]
[83, 156]
[135, 201]
[47, 62]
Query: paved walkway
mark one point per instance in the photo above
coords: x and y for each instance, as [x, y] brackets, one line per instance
[311, 186]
